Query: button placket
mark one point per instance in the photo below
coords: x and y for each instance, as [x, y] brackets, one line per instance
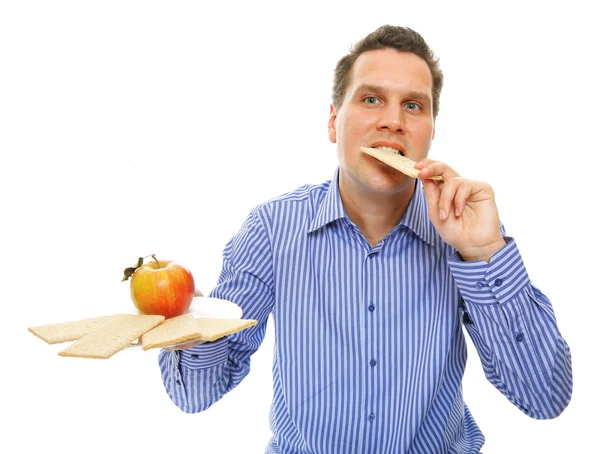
[371, 263]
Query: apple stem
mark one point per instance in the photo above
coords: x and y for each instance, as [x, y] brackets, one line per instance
[129, 271]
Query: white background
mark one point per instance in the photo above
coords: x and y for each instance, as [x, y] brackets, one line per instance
[137, 127]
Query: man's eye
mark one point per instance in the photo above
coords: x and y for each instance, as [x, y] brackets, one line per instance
[371, 100]
[412, 106]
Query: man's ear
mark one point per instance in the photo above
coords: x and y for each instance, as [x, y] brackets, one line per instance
[331, 124]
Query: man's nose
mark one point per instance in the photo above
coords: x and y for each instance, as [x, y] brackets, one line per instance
[392, 119]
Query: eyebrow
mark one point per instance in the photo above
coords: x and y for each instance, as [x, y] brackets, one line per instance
[379, 89]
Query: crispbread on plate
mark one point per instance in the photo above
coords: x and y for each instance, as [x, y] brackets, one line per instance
[208, 330]
[397, 161]
[172, 331]
[216, 328]
[112, 336]
[56, 333]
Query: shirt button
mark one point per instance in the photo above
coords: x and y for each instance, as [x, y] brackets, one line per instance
[373, 363]
[371, 417]
[371, 308]
[194, 356]
[479, 286]
[498, 282]
[519, 337]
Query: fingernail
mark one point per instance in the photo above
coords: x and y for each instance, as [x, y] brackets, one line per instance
[442, 214]
[457, 212]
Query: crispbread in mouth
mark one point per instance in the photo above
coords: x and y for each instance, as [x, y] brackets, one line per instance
[392, 158]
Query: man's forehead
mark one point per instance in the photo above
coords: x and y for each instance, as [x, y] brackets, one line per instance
[389, 69]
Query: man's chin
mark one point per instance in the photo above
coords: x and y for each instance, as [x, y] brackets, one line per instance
[389, 186]
[381, 181]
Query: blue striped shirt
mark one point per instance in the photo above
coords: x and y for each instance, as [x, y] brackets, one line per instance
[369, 344]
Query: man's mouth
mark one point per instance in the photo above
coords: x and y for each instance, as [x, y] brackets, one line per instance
[389, 147]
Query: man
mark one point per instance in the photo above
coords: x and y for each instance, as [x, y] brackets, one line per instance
[370, 278]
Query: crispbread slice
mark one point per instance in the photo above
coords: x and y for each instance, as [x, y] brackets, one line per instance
[172, 331]
[397, 161]
[112, 336]
[56, 333]
[215, 328]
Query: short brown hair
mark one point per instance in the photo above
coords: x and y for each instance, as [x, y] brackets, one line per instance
[388, 36]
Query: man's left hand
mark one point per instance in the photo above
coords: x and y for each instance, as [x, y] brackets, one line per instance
[463, 211]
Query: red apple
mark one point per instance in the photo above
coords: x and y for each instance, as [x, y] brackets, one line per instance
[162, 287]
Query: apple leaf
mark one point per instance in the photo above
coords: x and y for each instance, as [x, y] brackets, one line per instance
[129, 271]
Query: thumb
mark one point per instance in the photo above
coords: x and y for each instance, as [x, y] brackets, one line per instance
[432, 193]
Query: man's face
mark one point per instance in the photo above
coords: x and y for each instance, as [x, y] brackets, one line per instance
[387, 103]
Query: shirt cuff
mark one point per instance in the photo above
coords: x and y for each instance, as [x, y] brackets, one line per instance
[496, 282]
[207, 355]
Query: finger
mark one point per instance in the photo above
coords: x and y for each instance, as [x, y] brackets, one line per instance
[462, 194]
[423, 162]
[436, 168]
[447, 196]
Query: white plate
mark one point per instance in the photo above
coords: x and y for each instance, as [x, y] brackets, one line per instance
[203, 306]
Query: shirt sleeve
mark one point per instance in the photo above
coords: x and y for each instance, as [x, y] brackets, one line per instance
[514, 329]
[197, 377]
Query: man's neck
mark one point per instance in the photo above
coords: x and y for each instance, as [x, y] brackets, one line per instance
[375, 214]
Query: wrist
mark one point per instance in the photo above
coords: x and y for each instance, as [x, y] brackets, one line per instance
[482, 253]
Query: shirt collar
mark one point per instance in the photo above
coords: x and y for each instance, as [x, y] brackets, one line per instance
[331, 208]
[415, 218]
